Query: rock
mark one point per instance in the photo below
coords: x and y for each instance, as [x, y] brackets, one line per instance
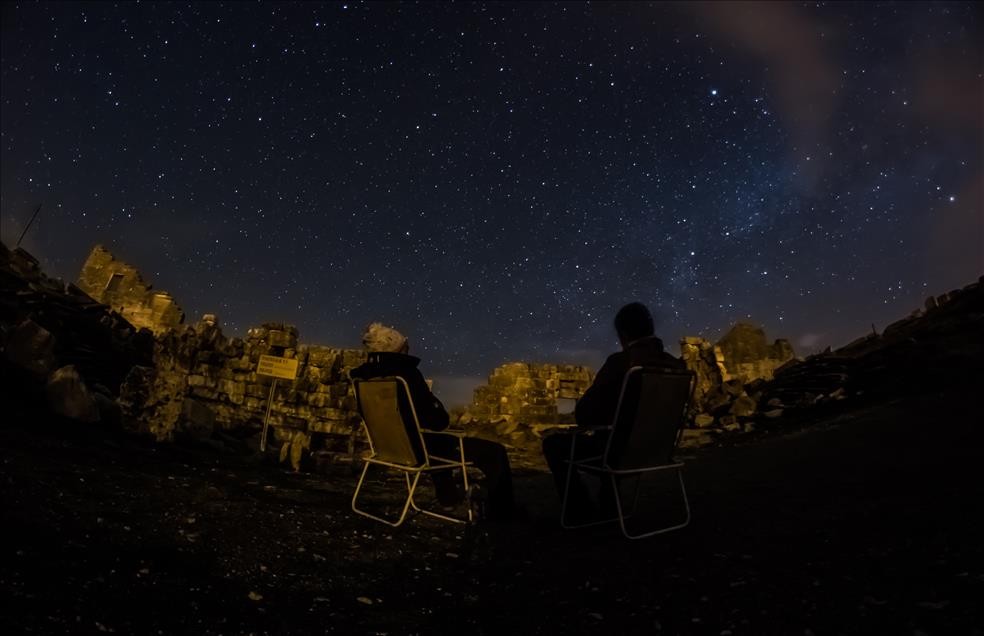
[30, 346]
[748, 356]
[733, 387]
[703, 420]
[197, 419]
[717, 402]
[701, 357]
[773, 414]
[743, 406]
[691, 438]
[530, 393]
[68, 396]
[506, 426]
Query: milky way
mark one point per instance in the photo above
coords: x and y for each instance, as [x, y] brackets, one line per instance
[496, 180]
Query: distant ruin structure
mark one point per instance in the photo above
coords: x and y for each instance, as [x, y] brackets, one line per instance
[748, 355]
[529, 392]
[120, 286]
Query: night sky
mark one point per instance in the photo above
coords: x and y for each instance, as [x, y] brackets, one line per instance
[495, 180]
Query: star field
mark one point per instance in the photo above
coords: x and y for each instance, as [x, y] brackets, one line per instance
[495, 180]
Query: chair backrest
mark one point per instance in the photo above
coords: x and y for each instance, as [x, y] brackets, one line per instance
[391, 420]
[649, 417]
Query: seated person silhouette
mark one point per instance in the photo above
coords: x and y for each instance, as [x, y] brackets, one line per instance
[634, 326]
[388, 356]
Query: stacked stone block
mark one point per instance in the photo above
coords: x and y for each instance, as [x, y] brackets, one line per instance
[121, 287]
[528, 392]
[200, 364]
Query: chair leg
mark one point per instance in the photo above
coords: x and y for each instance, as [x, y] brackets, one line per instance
[409, 502]
[464, 477]
[411, 487]
[686, 505]
[567, 489]
[438, 515]
[410, 490]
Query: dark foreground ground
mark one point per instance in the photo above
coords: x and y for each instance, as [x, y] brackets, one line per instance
[864, 524]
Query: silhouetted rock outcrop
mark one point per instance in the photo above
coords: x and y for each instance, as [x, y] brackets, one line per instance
[47, 325]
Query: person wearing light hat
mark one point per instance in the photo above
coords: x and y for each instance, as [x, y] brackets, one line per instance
[389, 356]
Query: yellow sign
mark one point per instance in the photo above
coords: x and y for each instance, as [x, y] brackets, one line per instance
[277, 367]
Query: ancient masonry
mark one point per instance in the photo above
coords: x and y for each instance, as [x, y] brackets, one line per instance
[202, 381]
[529, 392]
[122, 288]
[742, 356]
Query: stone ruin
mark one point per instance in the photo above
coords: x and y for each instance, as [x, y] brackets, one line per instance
[65, 351]
[202, 382]
[194, 382]
[121, 287]
[729, 374]
[521, 399]
[86, 360]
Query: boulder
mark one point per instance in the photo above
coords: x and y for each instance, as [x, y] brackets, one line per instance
[743, 406]
[68, 396]
[32, 347]
[703, 420]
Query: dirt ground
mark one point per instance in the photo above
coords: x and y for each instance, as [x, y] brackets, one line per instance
[868, 523]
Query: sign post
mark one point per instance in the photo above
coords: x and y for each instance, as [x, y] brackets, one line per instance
[276, 368]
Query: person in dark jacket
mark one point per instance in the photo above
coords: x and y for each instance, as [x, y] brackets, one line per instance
[389, 356]
[640, 347]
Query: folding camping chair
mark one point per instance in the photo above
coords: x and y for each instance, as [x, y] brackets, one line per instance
[643, 436]
[397, 443]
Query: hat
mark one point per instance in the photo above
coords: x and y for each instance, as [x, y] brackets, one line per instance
[379, 337]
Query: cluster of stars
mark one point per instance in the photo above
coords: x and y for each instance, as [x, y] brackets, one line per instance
[493, 179]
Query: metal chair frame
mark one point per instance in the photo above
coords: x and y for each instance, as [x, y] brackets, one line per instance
[426, 464]
[599, 465]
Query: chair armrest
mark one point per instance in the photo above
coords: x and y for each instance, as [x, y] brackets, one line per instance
[586, 430]
[453, 432]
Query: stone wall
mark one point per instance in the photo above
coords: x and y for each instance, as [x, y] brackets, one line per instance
[202, 381]
[528, 392]
[121, 287]
[707, 363]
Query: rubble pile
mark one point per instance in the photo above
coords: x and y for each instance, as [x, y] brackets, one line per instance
[729, 379]
[58, 344]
